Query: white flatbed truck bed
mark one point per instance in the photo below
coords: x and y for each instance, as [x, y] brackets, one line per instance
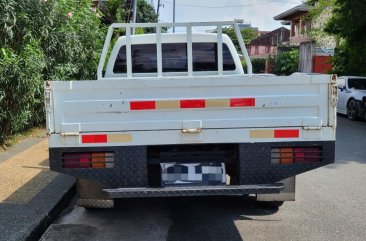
[175, 114]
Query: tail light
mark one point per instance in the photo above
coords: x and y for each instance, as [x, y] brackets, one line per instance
[289, 155]
[88, 160]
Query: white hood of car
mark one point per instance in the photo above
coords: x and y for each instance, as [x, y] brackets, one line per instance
[358, 94]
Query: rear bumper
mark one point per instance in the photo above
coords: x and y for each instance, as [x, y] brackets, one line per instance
[192, 191]
[131, 164]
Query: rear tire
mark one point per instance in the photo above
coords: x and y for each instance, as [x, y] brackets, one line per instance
[352, 110]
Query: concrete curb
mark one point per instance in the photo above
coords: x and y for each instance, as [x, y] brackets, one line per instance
[47, 220]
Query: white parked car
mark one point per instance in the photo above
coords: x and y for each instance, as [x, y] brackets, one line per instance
[352, 96]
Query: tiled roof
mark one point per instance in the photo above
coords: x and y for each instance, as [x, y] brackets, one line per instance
[266, 39]
[302, 8]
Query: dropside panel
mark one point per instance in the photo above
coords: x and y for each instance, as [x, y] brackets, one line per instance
[199, 103]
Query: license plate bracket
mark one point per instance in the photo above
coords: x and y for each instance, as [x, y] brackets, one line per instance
[193, 174]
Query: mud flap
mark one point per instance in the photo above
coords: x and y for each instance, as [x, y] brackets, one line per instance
[287, 194]
[89, 195]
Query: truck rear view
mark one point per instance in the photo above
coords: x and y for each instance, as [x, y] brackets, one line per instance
[175, 115]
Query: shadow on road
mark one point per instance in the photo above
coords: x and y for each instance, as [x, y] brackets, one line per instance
[202, 218]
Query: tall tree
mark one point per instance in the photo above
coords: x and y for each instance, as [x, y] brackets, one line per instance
[248, 35]
[43, 40]
[121, 10]
[347, 24]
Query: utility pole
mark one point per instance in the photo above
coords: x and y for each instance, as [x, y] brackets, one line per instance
[173, 15]
[158, 8]
[134, 14]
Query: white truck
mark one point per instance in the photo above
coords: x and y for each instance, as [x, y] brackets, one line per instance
[174, 114]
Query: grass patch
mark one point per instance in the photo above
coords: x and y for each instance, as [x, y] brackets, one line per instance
[36, 132]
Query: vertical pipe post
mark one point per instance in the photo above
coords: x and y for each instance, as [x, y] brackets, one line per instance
[173, 15]
[189, 50]
[219, 50]
[134, 15]
[159, 51]
[128, 52]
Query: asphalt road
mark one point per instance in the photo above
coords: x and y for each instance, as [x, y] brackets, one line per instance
[330, 205]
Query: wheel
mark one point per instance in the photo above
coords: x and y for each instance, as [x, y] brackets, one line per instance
[270, 205]
[352, 110]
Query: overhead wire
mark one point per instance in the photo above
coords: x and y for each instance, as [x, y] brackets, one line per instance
[230, 6]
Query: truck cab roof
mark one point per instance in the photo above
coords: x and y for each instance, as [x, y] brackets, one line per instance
[174, 55]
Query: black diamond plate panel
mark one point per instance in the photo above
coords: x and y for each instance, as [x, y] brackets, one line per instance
[130, 168]
[254, 160]
[191, 191]
[256, 167]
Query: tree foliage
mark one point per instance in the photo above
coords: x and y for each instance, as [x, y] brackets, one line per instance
[287, 62]
[42, 40]
[248, 35]
[259, 65]
[115, 12]
[49, 40]
[347, 24]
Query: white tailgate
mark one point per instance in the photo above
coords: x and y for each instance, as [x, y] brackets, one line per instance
[105, 106]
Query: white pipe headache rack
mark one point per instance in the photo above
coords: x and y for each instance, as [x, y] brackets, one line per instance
[158, 27]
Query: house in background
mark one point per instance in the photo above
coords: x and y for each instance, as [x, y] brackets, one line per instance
[267, 44]
[299, 26]
[315, 54]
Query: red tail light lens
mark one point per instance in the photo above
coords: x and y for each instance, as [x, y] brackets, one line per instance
[88, 160]
[289, 155]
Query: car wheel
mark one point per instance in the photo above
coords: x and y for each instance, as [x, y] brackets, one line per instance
[352, 110]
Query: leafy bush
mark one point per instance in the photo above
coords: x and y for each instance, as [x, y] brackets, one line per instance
[259, 65]
[287, 62]
[21, 83]
[345, 21]
[41, 40]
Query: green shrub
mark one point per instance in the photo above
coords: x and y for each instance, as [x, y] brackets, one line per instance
[21, 85]
[259, 65]
[43, 40]
[287, 62]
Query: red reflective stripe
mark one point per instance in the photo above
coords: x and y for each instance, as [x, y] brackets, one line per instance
[286, 133]
[242, 102]
[142, 105]
[94, 138]
[192, 103]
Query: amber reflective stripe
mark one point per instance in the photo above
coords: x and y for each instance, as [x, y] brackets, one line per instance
[217, 103]
[119, 138]
[262, 134]
[167, 104]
